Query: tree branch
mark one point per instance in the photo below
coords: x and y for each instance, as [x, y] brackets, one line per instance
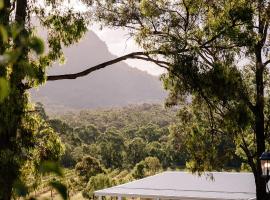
[266, 63]
[157, 62]
[134, 55]
[251, 163]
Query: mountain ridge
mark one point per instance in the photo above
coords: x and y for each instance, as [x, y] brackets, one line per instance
[116, 85]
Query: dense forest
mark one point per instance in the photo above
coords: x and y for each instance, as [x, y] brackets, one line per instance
[106, 147]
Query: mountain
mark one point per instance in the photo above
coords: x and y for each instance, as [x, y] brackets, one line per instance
[116, 85]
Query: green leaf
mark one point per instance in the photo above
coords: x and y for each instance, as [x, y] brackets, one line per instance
[37, 45]
[13, 55]
[3, 31]
[4, 89]
[15, 30]
[51, 167]
[1, 4]
[61, 188]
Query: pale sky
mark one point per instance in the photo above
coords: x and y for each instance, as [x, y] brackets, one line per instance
[119, 44]
[118, 41]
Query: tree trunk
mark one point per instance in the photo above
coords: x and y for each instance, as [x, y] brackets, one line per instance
[10, 151]
[261, 188]
[6, 191]
[259, 126]
[11, 111]
[7, 194]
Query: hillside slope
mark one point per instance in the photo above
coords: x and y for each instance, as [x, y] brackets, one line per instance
[117, 85]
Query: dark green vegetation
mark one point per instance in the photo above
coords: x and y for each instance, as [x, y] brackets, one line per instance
[106, 147]
[119, 138]
[218, 53]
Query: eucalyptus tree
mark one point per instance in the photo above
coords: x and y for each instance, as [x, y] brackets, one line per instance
[135, 151]
[88, 167]
[111, 149]
[216, 51]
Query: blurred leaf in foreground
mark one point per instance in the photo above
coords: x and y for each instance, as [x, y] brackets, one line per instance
[61, 188]
[20, 189]
[51, 167]
[1, 4]
[4, 89]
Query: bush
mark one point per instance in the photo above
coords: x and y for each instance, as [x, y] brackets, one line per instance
[98, 182]
[88, 167]
[148, 167]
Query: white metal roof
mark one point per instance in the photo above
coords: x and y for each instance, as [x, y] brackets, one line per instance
[184, 186]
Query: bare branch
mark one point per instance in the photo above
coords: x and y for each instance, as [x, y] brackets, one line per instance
[245, 148]
[157, 62]
[134, 55]
[266, 63]
[206, 59]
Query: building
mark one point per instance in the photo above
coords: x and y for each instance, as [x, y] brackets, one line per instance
[186, 186]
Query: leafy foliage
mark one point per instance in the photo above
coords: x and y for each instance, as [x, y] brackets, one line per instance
[100, 181]
[147, 167]
[88, 167]
[127, 139]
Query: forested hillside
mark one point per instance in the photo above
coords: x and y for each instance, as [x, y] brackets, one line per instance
[143, 128]
[106, 147]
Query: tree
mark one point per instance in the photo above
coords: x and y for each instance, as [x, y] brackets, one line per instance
[215, 51]
[149, 133]
[177, 139]
[88, 134]
[202, 148]
[111, 149]
[88, 167]
[22, 66]
[139, 170]
[147, 167]
[98, 182]
[67, 160]
[156, 149]
[43, 156]
[152, 165]
[135, 151]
